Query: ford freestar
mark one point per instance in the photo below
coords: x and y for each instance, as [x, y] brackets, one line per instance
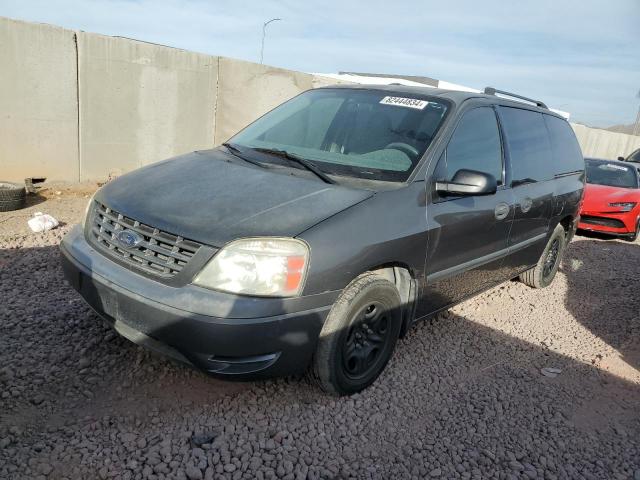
[315, 237]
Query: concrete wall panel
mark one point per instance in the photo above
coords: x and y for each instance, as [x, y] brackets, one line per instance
[248, 90]
[604, 144]
[141, 103]
[38, 102]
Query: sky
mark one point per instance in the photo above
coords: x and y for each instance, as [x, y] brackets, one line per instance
[581, 56]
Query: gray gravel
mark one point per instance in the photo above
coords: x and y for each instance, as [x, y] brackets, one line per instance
[463, 397]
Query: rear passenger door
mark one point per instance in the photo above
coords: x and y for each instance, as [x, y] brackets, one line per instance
[531, 174]
[467, 234]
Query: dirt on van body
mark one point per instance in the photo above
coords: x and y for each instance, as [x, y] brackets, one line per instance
[514, 384]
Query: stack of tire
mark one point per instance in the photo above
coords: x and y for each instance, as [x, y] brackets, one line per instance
[12, 196]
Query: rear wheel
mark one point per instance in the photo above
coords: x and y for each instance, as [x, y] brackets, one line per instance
[545, 270]
[358, 337]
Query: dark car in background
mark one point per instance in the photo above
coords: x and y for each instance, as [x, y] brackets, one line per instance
[611, 199]
[634, 157]
[314, 238]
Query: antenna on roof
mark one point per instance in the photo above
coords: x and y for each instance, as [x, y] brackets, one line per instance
[493, 91]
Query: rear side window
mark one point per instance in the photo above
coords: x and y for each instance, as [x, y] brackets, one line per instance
[529, 148]
[567, 156]
[475, 145]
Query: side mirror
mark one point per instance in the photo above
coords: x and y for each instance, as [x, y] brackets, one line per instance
[469, 182]
[622, 159]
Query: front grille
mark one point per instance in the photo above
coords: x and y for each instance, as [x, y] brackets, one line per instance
[602, 221]
[159, 253]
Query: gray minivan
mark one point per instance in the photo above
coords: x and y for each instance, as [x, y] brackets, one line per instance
[314, 238]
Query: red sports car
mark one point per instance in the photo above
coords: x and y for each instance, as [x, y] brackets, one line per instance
[611, 198]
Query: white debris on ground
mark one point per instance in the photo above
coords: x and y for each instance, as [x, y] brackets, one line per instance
[550, 372]
[463, 396]
[42, 222]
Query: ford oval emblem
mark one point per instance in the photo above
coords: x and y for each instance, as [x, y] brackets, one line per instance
[128, 238]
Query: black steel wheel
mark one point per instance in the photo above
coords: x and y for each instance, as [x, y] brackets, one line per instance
[552, 258]
[366, 340]
[358, 337]
[543, 273]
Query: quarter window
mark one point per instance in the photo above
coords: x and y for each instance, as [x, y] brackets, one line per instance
[475, 145]
[567, 156]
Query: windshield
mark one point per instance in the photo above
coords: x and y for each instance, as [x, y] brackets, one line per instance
[611, 174]
[358, 133]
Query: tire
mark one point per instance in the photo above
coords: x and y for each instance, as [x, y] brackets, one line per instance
[358, 337]
[12, 196]
[545, 270]
[635, 236]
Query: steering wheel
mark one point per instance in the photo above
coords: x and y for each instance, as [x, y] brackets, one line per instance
[410, 150]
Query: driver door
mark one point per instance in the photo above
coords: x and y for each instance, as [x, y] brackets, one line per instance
[467, 235]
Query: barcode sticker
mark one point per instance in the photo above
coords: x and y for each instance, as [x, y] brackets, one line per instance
[612, 166]
[405, 102]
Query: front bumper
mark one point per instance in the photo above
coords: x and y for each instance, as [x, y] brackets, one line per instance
[223, 334]
[613, 223]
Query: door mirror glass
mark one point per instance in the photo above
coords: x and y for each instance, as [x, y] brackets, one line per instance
[468, 182]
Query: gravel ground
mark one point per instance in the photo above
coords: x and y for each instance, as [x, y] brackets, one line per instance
[463, 397]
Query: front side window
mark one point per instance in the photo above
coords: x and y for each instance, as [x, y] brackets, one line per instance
[366, 134]
[529, 148]
[601, 172]
[475, 145]
[634, 157]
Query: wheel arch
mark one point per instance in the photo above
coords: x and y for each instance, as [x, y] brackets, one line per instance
[569, 224]
[403, 278]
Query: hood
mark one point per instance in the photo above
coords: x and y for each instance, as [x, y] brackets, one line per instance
[204, 197]
[598, 197]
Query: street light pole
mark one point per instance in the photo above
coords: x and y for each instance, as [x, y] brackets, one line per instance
[636, 127]
[264, 32]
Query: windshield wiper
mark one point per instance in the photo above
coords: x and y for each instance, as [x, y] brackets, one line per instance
[238, 154]
[296, 159]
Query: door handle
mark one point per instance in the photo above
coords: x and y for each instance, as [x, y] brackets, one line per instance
[502, 211]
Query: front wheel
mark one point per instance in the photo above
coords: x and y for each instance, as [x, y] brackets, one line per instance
[635, 236]
[545, 270]
[358, 337]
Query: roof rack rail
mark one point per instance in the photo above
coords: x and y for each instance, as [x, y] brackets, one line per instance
[493, 91]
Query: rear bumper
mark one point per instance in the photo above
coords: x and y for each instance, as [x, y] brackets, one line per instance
[225, 335]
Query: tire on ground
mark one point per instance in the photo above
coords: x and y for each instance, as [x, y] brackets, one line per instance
[12, 196]
[536, 277]
[328, 367]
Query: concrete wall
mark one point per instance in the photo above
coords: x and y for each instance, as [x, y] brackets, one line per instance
[246, 91]
[80, 106]
[38, 102]
[140, 103]
[604, 144]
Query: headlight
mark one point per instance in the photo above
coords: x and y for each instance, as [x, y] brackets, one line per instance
[274, 267]
[625, 206]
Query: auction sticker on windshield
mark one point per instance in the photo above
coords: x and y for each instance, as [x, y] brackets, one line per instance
[611, 166]
[405, 102]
